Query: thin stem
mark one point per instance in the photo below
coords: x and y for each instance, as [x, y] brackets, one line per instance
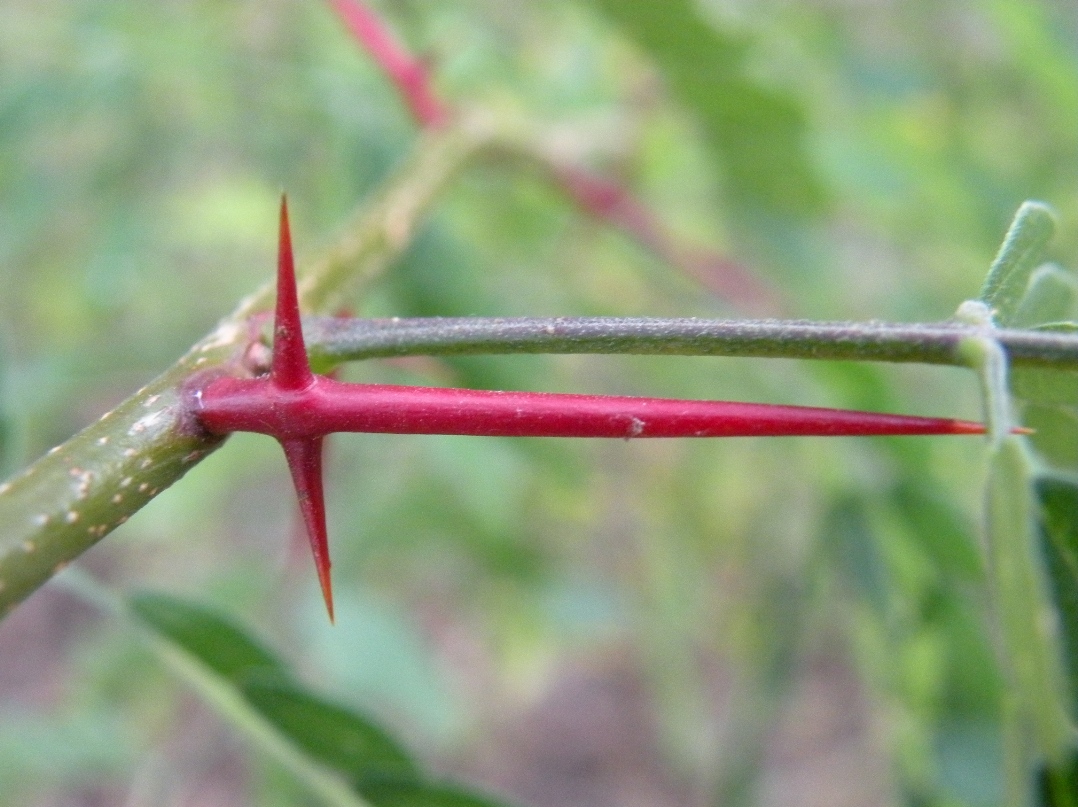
[606, 200]
[334, 340]
[409, 75]
[613, 204]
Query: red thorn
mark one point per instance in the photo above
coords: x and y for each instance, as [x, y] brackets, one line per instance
[305, 462]
[236, 404]
[290, 369]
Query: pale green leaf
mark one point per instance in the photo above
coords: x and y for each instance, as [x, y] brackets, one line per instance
[1029, 233]
[1050, 301]
[1028, 628]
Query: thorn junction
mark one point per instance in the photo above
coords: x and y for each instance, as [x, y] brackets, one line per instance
[299, 409]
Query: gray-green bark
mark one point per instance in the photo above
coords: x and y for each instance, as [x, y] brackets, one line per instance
[331, 340]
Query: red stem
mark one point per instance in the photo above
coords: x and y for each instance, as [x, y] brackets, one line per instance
[409, 75]
[606, 200]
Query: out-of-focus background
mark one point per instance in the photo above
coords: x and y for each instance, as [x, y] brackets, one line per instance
[585, 623]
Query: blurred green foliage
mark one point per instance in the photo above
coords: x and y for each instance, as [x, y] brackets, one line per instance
[142, 148]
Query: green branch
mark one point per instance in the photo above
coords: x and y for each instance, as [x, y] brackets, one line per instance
[331, 341]
[68, 500]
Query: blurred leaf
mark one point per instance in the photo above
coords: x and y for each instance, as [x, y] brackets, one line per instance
[321, 740]
[757, 132]
[1021, 597]
[1046, 386]
[1050, 395]
[973, 680]
[219, 660]
[331, 734]
[419, 794]
[407, 680]
[207, 636]
[937, 525]
[1055, 434]
[1029, 233]
[1058, 497]
[1057, 785]
[5, 429]
[1050, 406]
[1050, 299]
[853, 549]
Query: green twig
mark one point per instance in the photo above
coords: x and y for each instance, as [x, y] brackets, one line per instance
[331, 341]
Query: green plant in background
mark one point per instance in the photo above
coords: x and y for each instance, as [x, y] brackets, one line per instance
[756, 559]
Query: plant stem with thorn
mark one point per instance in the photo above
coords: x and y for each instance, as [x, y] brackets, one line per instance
[299, 409]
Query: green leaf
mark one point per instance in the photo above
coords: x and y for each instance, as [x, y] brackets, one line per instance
[341, 756]
[335, 736]
[1029, 233]
[757, 132]
[223, 647]
[1050, 395]
[234, 673]
[1057, 785]
[1058, 498]
[1059, 327]
[420, 794]
[1050, 300]
[1050, 407]
[938, 527]
[848, 537]
[1055, 435]
[1046, 386]
[1018, 577]
[5, 429]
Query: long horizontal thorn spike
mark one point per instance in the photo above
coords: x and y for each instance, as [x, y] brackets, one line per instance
[290, 368]
[338, 407]
[305, 463]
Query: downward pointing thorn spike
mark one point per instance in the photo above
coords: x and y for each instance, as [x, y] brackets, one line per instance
[305, 462]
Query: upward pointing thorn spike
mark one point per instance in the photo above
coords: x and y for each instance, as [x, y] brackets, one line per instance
[290, 369]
